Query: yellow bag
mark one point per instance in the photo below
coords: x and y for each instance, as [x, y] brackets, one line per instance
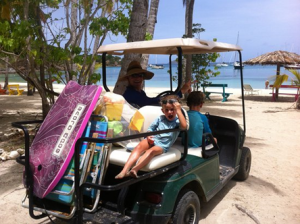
[113, 111]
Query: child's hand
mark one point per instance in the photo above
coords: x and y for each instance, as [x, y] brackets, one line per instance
[150, 140]
[177, 106]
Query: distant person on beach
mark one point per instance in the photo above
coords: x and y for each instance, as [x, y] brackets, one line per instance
[267, 84]
[157, 144]
[134, 93]
[198, 121]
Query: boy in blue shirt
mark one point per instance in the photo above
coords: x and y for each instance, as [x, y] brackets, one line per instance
[198, 122]
[157, 144]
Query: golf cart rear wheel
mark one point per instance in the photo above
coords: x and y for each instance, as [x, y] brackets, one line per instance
[187, 210]
[245, 165]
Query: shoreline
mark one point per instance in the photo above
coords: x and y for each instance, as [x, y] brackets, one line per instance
[154, 91]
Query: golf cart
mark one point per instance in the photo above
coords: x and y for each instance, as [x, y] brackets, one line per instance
[170, 188]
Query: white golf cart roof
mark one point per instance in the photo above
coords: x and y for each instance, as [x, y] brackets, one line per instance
[168, 46]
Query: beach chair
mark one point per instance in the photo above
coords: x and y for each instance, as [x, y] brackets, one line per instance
[249, 90]
[93, 163]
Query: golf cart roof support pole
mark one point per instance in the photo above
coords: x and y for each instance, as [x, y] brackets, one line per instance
[242, 84]
[179, 69]
[104, 72]
[170, 68]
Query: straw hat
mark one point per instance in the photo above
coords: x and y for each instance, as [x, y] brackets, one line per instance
[135, 68]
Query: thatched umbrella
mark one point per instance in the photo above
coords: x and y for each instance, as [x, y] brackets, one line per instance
[278, 58]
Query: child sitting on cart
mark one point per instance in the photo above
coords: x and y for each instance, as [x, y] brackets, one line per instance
[157, 144]
[198, 122]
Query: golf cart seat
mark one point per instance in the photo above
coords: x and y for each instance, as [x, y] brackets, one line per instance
[120, 155]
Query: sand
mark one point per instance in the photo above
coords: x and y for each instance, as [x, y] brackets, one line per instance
[271, 194]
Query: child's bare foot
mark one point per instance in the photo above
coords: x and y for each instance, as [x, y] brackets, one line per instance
[133, 174]
[122, 175]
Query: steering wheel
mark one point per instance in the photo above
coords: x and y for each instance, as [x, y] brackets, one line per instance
[168, 92]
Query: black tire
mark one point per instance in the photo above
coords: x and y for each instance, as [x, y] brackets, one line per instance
[245, 165]
[187, 209]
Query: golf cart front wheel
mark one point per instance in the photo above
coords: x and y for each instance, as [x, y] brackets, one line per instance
[245, 165]
[187, 210]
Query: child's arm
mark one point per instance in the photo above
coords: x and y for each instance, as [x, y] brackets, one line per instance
[180, 116]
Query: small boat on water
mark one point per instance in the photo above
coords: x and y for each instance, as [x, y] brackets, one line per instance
[237, 65]
[295, 66]
[223, 64]
[157, 66]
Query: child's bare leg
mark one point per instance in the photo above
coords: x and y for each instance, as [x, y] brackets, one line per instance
[134, 156]
[145, 159]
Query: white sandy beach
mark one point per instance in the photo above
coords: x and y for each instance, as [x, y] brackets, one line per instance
[270, 195]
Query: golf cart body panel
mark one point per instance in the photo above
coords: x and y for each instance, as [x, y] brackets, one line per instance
[154, 196]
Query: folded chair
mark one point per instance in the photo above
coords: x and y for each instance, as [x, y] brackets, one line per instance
[249, 90]
[92, 166]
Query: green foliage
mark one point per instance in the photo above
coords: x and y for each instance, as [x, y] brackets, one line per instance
[148, 36]
[200, 70]
[117, 23]
[95, 77]
[296, 73]
[200, 63]
[13, 36]
[52, 51]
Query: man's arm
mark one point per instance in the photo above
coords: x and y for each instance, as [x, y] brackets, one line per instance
[139, 98]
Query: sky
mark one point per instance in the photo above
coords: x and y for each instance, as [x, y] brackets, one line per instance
[262, 25]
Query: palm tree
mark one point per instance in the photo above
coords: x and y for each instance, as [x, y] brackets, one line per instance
[188, 33]
[137, 32]
[152, 20]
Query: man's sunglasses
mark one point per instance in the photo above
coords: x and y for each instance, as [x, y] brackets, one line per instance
[141, 75]
[171, 101]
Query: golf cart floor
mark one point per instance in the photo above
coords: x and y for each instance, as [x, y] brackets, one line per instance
[225, 171]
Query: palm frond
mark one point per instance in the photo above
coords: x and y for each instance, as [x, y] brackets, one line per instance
[280, 79]
[296, 73]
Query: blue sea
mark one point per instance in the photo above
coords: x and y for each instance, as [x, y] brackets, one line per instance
[255, 75]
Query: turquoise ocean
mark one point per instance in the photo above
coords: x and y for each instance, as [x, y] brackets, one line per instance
[255, 75]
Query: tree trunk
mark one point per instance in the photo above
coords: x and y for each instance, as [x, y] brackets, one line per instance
[152, 20]
[277, 73]
[6, 74]
[137, 32]
[96, 46]
[32, 75]
[189, 33]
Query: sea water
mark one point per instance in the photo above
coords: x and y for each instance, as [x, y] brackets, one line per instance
[255, 75]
